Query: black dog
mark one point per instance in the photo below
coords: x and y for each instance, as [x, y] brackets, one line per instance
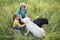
[41, 21]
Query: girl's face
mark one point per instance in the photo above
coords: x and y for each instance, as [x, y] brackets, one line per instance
[18, 17]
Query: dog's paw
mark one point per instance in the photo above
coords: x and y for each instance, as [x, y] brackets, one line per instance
[25, 34]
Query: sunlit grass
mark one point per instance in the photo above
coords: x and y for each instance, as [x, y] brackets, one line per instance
[49, 9]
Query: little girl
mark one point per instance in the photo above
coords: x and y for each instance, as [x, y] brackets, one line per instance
[16, 24]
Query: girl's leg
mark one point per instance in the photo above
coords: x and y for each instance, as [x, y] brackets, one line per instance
[17, 33]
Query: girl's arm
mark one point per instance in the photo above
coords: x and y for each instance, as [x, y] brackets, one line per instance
[21, 25]
[17, 23]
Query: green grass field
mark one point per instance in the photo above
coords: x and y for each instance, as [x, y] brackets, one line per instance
[49, 9]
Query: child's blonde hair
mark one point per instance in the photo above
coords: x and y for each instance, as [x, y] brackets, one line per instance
[14, 16]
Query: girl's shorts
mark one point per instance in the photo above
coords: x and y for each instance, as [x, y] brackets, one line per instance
[17, 28]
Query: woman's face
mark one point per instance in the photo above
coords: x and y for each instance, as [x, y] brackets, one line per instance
[22, 7]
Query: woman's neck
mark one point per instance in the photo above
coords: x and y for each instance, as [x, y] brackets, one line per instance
[22, 11]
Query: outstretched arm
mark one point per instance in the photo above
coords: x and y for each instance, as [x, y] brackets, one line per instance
[17, 23]
[29, 18]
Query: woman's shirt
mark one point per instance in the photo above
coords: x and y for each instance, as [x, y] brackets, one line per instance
[22, 14]
[16, 23]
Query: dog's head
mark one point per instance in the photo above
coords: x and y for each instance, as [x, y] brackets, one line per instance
[26, 20]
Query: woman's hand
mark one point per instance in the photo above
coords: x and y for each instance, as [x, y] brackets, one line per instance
[31, 20]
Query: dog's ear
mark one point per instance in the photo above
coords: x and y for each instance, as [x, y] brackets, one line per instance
[24, 20]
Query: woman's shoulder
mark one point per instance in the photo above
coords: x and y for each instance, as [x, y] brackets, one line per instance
[18, 9]
[25, 10]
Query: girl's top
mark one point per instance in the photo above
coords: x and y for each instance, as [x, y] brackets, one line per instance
[16, 23]
[22, 14]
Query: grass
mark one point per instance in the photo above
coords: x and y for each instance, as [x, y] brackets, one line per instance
[49, 9]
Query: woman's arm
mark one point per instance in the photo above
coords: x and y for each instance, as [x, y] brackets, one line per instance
[26, 15]
[29, 18]
[20, 17]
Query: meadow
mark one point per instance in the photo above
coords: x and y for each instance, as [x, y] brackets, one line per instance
[49, 9]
